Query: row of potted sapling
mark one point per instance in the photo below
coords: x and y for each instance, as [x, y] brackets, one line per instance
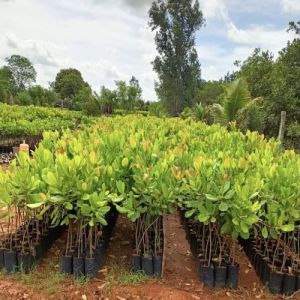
[276, 262]
[147, 256]
[25, 239]
[84, 254]
[215, 253]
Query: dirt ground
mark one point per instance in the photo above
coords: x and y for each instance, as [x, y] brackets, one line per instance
[180, 280]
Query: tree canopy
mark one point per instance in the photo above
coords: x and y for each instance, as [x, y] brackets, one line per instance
[22, 71]
[177, 65]
[68, 83]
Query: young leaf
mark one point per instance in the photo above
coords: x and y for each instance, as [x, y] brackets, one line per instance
[35, 205]
[223, 206]
[121, 186]
[288, 227]
[265, 233]
[189, 213]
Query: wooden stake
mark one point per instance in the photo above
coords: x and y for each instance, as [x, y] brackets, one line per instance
[282, 127]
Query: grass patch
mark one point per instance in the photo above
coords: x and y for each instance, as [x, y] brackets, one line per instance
[49, 280]
[81, 280]
[118, 275]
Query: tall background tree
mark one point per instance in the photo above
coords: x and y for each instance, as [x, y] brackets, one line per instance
[22, 71]
[176, 23]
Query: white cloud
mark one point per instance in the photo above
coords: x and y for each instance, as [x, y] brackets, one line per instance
[217, 61]
[210, 8]
[291, 6]
[38, 51]
[259, 36]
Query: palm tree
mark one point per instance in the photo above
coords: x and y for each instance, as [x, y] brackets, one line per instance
[200, 112]
[236, 101]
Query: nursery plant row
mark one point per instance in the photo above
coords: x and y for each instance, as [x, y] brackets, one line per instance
[231, 185]
[29, 122]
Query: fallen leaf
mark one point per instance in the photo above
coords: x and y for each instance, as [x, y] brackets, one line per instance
[104, 271]
[100, 287]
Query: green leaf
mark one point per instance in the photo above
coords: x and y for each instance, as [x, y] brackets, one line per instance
[51, 179]
[125, 162]
[245, 235]
[235, 221]
[229, 195]
[255, 206]
[288, 227]
[265, 233]
[121, 210]
[244, 227]
[121, 186]
[253, 196]
[189, 213]
[211, 197]
[35, 205]
[68, 206]
[223, 206]
[226, 228]
[102, 220]
[203, 218]
[226, 187]
[85, 210]
[40, 215]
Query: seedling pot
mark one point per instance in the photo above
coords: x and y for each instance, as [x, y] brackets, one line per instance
[91, 267]
[298, 281]
[99, 253]
[157, 265]
[266, 274]
[136, 263]
[147, 265]
[10, 261]
[232, 276]
[2, 258]
[220, 277]
[276, 282]
[78, 266]
[208, 275]
[289, 284]
[66, 264]
[39, 253]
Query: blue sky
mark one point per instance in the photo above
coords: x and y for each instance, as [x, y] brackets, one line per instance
[109, 40]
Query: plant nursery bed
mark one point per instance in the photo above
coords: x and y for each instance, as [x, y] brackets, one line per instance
[114, 281]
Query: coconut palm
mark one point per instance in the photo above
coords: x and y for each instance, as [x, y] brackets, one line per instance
[236, 97]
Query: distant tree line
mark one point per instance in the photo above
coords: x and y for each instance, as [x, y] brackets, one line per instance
[68, 90]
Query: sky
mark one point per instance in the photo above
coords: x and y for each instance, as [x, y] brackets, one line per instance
[110, 40]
